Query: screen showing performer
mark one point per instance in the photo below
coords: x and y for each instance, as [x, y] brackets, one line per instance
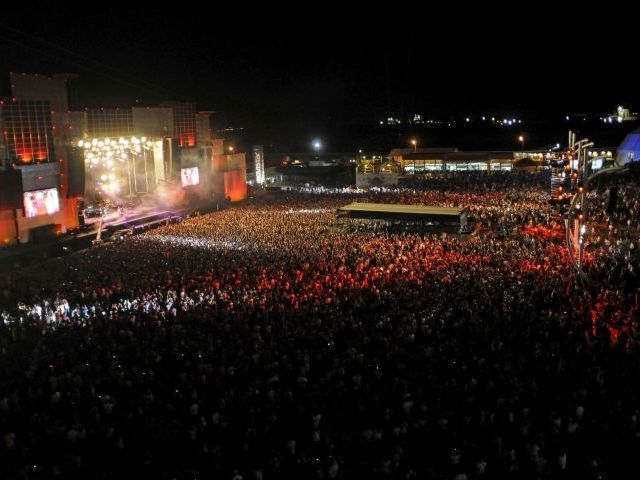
[190, 176]
[41, 202]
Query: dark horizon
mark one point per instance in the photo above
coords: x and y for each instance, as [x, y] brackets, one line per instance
[309, 79]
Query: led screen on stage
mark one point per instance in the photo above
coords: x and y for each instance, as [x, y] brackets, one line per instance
[41, 202]
[190, 176]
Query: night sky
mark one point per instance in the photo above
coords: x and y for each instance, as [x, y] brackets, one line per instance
[316, 74]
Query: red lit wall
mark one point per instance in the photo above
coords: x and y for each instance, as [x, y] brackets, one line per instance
[70, 209]
[229, 172]
[235, 185]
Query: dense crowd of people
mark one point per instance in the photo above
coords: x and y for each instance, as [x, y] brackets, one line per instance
[624, 209]
[262, 342]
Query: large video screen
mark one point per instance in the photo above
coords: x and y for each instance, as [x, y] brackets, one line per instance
[190, 176]
[41, 202]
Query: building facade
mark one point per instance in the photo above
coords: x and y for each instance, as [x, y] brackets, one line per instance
[184, 122]
[36, 135]
[412, 160]
[61, 156]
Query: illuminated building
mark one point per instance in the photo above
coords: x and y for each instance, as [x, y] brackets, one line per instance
[53, 89]
[27, 132]
[35, 136]
[103, 152]
[128, 151]
[629, 149]
[108, 122]
[621, 114]
[376, 171]
[420, 159]
[450, 159]
[170, 138]
[204, 133]
[152, 121]
[184, 122]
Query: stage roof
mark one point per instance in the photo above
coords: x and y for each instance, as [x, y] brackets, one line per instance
[408, 212]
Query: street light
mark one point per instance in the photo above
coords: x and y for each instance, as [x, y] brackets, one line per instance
[521, 140]
[317, 145]
[230, 149]
[414, 142]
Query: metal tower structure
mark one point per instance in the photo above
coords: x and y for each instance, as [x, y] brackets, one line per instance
[576, 221]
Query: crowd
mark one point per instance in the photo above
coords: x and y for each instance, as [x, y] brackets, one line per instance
[624, 209]
[263, 342]
[478, 181]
